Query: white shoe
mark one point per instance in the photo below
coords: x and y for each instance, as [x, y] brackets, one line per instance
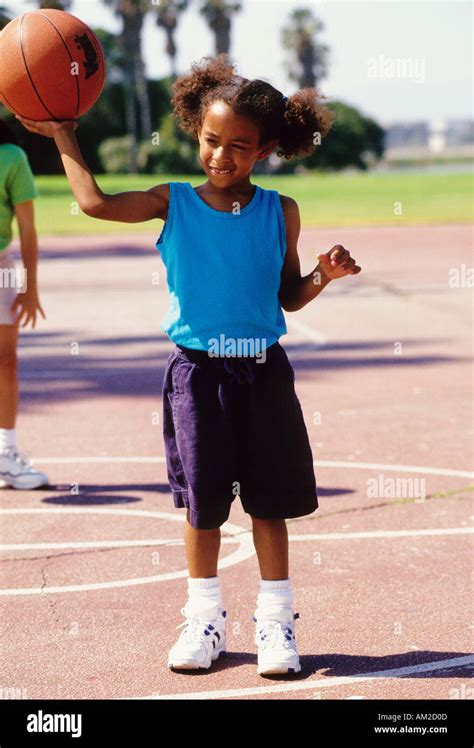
[203, 638]
[17, 472]
[275, 639]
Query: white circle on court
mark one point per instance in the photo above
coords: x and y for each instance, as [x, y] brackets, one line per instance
[242, 536]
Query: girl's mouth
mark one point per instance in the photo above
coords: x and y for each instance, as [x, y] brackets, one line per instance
[220, 171]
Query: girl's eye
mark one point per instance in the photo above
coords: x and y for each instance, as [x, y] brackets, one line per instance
[212, 142]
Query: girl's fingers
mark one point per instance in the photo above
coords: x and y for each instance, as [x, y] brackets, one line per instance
[20, 316]
[27, 123]
[341, 258]
[344, 266]
[350, 263]
[23, 312]
[30, 122]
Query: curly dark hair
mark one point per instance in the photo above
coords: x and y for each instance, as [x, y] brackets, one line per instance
[293, 122]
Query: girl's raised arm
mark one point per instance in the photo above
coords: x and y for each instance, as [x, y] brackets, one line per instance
[126, 207]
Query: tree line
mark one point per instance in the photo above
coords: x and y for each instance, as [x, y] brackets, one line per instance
[120, 133]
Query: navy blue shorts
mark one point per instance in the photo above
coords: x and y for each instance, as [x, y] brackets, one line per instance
[234, 427]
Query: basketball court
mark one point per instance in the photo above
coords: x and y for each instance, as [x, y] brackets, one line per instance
[93, 568]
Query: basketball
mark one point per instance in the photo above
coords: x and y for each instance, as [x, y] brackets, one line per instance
[52, 66]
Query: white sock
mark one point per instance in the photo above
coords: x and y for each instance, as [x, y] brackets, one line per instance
[274, 595]
[7, 439]
[205, 588]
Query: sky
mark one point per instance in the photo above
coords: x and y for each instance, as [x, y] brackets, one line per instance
[400, 61]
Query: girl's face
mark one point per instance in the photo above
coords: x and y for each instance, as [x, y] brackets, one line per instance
[228, 145]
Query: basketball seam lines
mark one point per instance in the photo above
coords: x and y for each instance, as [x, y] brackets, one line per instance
[70, 57]
[28, 72]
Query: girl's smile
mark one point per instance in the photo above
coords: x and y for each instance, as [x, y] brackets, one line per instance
[220, 172]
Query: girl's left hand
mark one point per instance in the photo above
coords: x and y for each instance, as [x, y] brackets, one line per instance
[29, 304]
[338, 262]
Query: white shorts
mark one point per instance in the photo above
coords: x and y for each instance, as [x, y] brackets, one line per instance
[8, 290]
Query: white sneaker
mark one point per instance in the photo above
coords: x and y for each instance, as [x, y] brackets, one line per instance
[275, 639]
[17, 472]
[203, 639]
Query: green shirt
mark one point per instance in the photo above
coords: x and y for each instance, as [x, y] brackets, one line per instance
[17, 185]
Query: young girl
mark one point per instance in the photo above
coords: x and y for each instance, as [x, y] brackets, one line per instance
[17, 190]
[232, 422]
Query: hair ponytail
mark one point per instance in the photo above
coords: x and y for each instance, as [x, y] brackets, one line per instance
[305, 122]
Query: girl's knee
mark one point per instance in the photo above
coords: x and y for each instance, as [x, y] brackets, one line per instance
[269, 521]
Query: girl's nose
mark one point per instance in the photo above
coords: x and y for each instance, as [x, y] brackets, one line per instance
[219, 152]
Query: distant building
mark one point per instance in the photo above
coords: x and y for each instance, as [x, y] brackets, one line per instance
[437, 133]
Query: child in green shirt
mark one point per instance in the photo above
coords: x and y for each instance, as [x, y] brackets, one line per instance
[19, 301]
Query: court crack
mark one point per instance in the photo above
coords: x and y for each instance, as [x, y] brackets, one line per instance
[50, 600]
[78, 553]
[449, 493]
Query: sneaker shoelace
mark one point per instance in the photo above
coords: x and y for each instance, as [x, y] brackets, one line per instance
[195, 628]
[19, 457]
[273, 633]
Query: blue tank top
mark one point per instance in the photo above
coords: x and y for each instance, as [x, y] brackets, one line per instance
[223, 272]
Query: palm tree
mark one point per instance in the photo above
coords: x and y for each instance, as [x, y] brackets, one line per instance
[167, 14]
[129, 44]
[218, 14]
[114, 55]
[308, 64]
[132, 13]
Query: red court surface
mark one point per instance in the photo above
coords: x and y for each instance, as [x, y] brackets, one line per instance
[93, 568]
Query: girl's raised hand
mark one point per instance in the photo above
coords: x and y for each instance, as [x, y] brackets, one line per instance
[48, 128]
[338, 262]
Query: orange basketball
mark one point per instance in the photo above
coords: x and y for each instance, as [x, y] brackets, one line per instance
[52, 66]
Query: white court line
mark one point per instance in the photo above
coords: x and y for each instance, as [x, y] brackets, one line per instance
[396, 468]
[313, 335]
[173, 542]
[96, 544]
[316, 684]
[382, 534]
[244, 551]
[99, 544]
[318, 463]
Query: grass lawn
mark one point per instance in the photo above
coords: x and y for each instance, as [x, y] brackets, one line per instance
[324, 200]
